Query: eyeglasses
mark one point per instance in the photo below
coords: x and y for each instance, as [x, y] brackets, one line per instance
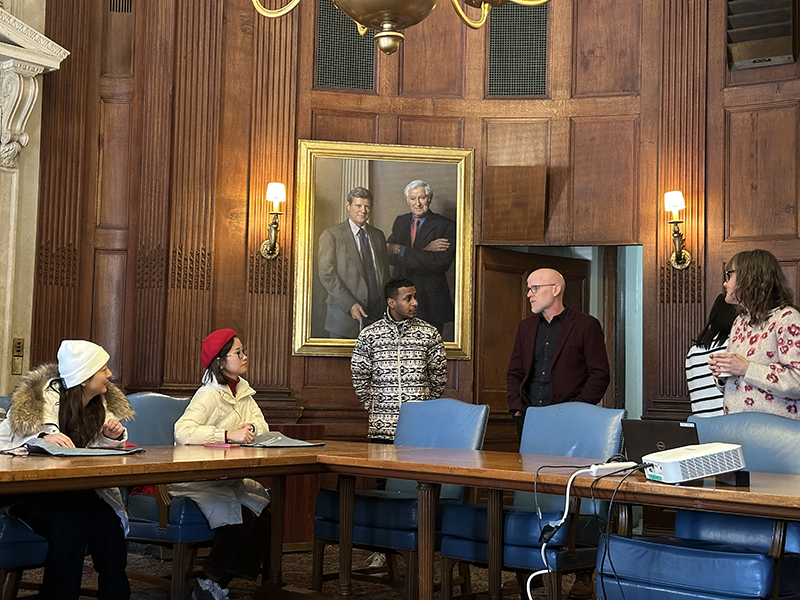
[240, 353]
[535, 288]
[728, 274]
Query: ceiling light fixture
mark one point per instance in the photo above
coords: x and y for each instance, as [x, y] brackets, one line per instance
[389, 17]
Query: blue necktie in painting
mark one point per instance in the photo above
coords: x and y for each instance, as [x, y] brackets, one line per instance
[414, 229]
[373, 287]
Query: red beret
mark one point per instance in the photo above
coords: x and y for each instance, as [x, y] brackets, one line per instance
[214, 343]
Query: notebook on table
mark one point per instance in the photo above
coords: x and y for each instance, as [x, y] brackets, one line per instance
[642, 437]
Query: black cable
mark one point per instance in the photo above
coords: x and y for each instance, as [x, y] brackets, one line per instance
[607, 534]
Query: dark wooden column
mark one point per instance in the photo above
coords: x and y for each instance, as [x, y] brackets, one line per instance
[678, 307]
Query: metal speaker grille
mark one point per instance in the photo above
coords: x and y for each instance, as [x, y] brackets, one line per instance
[518, 50]
[344, 58]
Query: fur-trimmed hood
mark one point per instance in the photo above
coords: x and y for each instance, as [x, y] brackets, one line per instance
[27, 400]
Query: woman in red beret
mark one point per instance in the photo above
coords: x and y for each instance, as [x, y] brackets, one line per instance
[223, 411]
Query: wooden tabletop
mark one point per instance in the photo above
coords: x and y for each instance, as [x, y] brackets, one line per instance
[769, 494]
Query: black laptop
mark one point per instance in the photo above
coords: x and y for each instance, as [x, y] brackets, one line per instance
[644, 437]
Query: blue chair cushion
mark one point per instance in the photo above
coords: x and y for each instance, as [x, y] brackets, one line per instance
[20, 546]
[377, 508]
[530, 558]
[609, 588]
[372, 537]
[523, 528]
[751, 532]
[693, 565]
[186, 521]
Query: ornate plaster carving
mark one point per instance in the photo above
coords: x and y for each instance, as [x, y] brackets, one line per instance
[19, 90]
[24, 54]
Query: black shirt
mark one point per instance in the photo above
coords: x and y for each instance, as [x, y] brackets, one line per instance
[537, 389]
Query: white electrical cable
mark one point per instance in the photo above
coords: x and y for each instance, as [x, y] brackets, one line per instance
[547, 568]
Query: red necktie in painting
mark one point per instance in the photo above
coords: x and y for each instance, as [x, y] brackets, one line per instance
[414, 228]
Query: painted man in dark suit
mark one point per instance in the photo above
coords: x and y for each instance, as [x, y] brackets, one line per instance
[353, 267]
[422, 246]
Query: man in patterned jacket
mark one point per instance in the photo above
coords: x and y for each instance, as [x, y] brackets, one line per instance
[397, 359]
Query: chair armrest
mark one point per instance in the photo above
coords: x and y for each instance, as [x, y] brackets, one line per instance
[163, 500]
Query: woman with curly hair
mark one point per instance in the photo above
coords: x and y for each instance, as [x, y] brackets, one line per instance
[760, 371]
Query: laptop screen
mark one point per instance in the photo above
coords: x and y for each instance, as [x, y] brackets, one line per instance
[642, 437]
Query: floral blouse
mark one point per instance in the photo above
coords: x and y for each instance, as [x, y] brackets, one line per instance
[772, 381]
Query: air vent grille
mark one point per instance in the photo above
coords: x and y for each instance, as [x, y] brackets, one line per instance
[760, 33]
[518, 50]
[120, 6]
[344, 58]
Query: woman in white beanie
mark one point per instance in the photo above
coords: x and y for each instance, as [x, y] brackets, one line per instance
[223, 410]
[73, 404]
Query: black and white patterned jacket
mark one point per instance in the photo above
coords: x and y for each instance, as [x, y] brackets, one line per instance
[395, 362]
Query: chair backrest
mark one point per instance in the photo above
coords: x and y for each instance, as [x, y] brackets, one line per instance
[441, 423]
[569, 429]
[5, 404]
[769, 442]
[572, 429]
[155, 418]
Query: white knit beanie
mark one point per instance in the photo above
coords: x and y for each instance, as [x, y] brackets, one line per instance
[79, 360]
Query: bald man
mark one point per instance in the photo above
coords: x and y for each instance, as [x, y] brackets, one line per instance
[559, 354]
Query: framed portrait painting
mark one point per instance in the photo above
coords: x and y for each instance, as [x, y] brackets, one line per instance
[367, 213]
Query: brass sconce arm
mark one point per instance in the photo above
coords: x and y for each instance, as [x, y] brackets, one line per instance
[681, 258]
[270, 248]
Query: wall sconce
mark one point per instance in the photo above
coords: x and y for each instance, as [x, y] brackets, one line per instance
[276, 193]
[673, 201]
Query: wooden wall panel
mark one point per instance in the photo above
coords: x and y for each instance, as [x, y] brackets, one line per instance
[607, 54]
[762, 172]
[605, 175]
[515, 181]
[65, 93]
[421, 131]
[155, 62]
[115, 166]
[111, 302]
[272, 158]
[433, 56]
[196, 130]
[344, 127]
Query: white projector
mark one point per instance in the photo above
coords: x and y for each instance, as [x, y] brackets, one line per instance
[693, 462]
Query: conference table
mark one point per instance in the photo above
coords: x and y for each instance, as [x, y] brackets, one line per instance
[769, 495]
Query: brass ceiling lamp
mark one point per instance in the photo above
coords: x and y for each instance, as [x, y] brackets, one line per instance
[389, 17]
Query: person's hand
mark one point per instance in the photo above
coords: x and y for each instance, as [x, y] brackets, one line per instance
[438, 245]
[393, 249]
[113, 429]
[357, 312]
[59, 439]
[723, 364]
[243, 435]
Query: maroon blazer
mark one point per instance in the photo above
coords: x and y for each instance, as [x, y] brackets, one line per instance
[580, 364]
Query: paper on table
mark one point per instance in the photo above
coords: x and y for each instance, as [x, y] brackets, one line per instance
[273, 439]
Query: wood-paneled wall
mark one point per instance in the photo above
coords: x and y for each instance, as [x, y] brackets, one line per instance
[160, 135]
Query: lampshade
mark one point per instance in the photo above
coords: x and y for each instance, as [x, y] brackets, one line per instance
[276, 193]
[673, 201]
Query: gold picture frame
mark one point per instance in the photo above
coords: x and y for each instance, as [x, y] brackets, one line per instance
[326, 171]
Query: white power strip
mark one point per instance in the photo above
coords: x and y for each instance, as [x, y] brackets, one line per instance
[604, 469]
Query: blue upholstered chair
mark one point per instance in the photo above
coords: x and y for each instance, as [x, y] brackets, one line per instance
[20, 547]
[161, 520]
[714, 556]
[569, 429]
[386, 520]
